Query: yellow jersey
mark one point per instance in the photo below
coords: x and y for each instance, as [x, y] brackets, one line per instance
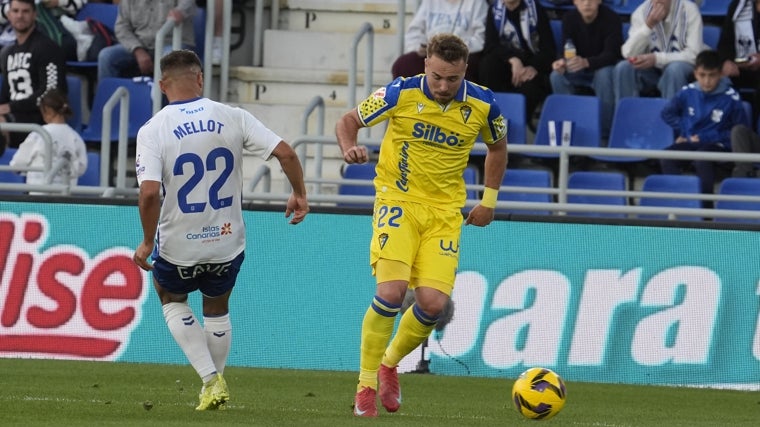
[427, 145]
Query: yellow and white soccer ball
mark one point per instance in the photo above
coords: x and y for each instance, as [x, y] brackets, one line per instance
[539, 393]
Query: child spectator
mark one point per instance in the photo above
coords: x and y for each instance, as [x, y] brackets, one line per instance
[702, 115]
[69, 152]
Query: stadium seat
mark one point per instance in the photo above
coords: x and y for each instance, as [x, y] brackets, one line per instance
[586, 180]
[557, 32]
[539, 178]
[629, 132]
[512, 106]
[364, 171]
[583, 111]
[103, 12]
[140, 111]
[739, 186]
[710, 35]
[10, 177]
[714, 8]
[623, 7]
[470, 176]
[91, 176]
[75, 97]
[661, 183]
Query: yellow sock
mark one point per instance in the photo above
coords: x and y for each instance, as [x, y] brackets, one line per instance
[414, 328]
[377, 329]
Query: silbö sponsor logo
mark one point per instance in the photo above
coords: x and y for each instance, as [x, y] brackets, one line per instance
[435, 134]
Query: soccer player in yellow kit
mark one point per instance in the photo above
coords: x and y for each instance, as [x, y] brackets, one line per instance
[433, 122]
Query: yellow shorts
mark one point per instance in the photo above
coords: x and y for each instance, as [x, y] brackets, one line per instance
[424, 238]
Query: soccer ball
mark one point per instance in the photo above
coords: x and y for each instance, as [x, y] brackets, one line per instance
[539, 393]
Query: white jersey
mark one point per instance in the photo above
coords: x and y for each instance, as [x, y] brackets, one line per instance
[68, 149]
[195, 149]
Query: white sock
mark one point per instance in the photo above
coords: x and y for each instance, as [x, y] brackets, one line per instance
[188, 333]
[218, 339]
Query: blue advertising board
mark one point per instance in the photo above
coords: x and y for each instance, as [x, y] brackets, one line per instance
[601, 303]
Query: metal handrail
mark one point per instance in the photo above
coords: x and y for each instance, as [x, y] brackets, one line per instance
[32, 127]
[176, 29]
[120, 95]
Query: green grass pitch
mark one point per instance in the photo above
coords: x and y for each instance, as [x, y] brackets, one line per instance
[73, 393]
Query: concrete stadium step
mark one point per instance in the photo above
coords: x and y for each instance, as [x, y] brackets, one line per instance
[291, 86]
[315, 50]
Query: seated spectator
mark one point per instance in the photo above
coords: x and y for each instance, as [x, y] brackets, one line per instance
[738, 47]
[69, 154]
[744, 140]
[596, 31]
[29, 67]
[49, 13]
[664, 39]
[702, 115]
[136, 27]
[465, 18]
[519, 51]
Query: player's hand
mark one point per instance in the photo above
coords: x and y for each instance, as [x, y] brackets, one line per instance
[356, 154]
[141, 256]
[480, 216]
[298, 207]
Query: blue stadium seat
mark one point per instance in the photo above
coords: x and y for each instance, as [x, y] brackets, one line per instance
[628, 132]
[623, 7]
[739, 186]
[8, 176]
[103, 12]
[364, 171]
[671, 184]
[512, 106]
[557, 31]
[539, 178]
[470, 176]
[583, 111]
[587, 180]
[140, 110]
[91, 175]
[710, 35]
[75, 97]
[717, 8]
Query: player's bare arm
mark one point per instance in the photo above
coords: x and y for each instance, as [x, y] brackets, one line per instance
[495, 166]
[149, 204]
[347, 131]
[297, 204]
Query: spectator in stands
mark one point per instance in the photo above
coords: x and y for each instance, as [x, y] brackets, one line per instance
[465, 18]
[596, 32]
[664, 39]
[702, 115]
[29, 67]
[135, 29]
[216, 45]
[738, 48]
[744, 140]
[69, 154]
[168, 212]
[519, 51]
[420, 186]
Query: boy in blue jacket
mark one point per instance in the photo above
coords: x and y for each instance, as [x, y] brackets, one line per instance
[702, 115]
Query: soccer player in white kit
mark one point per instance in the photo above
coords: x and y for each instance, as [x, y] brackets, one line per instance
[191, 153]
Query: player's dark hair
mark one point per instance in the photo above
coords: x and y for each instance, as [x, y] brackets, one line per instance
[57, 101]
[32, 3]
[180, 59]
[448, 47]
[708, 60]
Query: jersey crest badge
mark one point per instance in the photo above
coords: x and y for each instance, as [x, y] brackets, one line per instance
[420, 106]
[382, 240]
[466, 112]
